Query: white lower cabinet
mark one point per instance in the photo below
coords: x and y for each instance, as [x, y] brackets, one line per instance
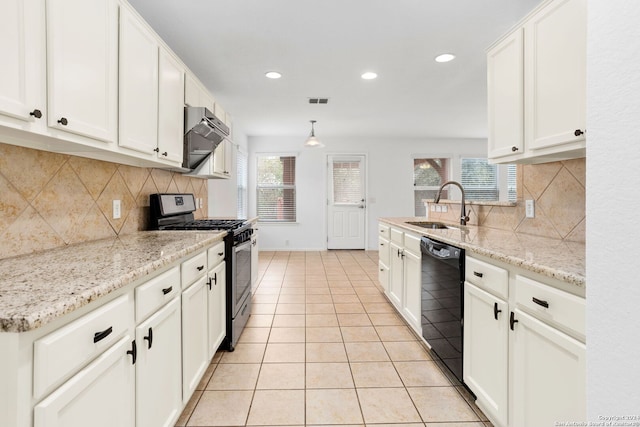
[412, 290]
[100, 395]
[195, 352]
[396, 270]
[158, 369]
[216, 307]
[548, 374]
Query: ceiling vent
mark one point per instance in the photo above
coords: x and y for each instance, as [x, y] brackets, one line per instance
[318, 100]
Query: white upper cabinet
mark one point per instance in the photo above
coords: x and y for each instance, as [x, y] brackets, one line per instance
[138, 103]
[82, 67]
[556, 74]
[537, 87]
[170, 108]
[195, 95]
[22, 75]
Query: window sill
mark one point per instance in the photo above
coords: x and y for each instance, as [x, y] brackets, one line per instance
[474, 202]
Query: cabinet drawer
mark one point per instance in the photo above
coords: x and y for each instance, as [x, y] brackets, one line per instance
[550, 304]
[193, 268]
[487, 276]
[383, 251]
[63, 352]
[156, 292]
[412, 244]
[383, 230]
[215, 255]
[397, 236]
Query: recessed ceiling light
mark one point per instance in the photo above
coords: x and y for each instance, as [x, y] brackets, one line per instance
[445, 57]
[369, 75]
[273, 75]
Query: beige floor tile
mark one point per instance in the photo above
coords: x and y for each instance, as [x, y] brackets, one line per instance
[320, 308]
[285, 353]
[221, 408]
[316, 320]
[395, 333]
[471, 424]
[387, 405]
[368, 290]
[263, 308]
[328, 375]
[346, 299]
[323, 334]
[277, 407]
[282, 335]
[372, 298]
[188, 409]
[290, 309]
[375, 374]
[267, 283]
[292, 291]
[265, 298]
[326, 352]
[217, 356]
[291, 299]
[267, 291]
[333, 406]
[354, 307]
[244, 353]
[288, 321]
[421, 374]
[254, 335]
[283, 376]
[378, 307]
[366, 352]
[345, 289]
[386, 319]
[314, 283]
[363, 283]
[353, 319]
[406, 351]
[441, 404]
[318, 291]
[234, 376]
[408, 425]
[319, 299]
[206, 377]
[359, 333]
[260, 321]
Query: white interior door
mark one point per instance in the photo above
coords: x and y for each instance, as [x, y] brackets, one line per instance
[346, 206]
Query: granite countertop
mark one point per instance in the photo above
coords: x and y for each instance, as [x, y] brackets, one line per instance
[38, 288]
[554, 258]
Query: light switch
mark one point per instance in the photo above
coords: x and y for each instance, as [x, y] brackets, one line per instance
[116, 209]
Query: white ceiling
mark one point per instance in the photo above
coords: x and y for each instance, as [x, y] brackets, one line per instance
[322, 46]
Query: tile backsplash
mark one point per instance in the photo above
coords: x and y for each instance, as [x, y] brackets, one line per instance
[558, 189]
[49, 200]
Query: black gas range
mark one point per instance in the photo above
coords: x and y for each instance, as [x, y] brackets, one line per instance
[175, 212]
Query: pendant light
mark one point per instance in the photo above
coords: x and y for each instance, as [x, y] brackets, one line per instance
[312, 141]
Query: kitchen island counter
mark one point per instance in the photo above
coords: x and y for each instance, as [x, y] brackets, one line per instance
[38, 288]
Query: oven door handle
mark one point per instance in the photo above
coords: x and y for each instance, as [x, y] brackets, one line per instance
[242, 246]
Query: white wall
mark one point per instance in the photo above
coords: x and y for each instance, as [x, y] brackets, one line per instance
[613, 237]
[389, 183]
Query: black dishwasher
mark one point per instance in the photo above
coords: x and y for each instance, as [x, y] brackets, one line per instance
[442, 301]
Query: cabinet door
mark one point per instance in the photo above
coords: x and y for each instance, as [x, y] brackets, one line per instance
[254, 257]
[505, 84]
[82, 67]
[170, 109]
[396, 272]
[547, 376]
[383, 276]
[195, 351]
[101, 395]
[23, 59]
[217, 307]
[220, 158]
[486, 349]
[138, 113]
[412, 301]
[158, 370]
[555, 66]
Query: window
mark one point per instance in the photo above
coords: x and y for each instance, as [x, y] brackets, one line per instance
[481, 180]
[428, 175]
[241, 172]
[347, 182]
[276, 187]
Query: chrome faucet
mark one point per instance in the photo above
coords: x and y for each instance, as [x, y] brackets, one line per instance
[463, 215]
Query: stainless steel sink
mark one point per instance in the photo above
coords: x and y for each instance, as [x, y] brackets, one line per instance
[432, 224]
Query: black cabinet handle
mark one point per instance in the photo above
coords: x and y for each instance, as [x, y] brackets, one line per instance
[165, 154]
[157, 150]
[496, 311]
[215, 278]
[63, 121]
[514, 148]
[512, 320]
[220, 253]
[167, 290]
[209, 283]
[133, 352]
[149, 338]
[99, 336]
[543, 303]
[200, 267]
[36, 113]
[475, 273]
[381, 244]
[578, 132]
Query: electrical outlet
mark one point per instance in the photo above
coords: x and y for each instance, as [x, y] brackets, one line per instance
[116, 209]
[529, 207]
[200, 202]
[438, 208]
[445, 208]
[433, 208]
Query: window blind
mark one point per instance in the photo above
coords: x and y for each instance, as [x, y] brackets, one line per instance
[347, 182]
[479, 179]
[512, 189]
[243, 179]
[276, 188]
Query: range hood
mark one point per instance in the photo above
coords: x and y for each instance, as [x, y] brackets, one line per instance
[204, 132]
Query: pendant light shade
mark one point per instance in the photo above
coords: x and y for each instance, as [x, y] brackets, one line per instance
[312, 141]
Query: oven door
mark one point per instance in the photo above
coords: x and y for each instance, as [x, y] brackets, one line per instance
[241, 275]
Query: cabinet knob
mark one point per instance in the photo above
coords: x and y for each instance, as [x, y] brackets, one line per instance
[157, 150]
[36, 113]
[63, 121]
[165, 154]
[514, 148]
[578, 132]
